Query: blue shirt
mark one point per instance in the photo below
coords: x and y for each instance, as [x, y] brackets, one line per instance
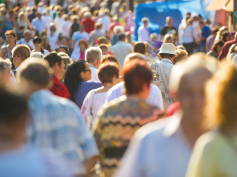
[206, 32]
[38, 24]
[57, 124]
[31, 162]
[83, 89]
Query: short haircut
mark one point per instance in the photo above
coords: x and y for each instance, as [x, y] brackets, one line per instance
[92, 54]
[36, 71]
[193, 63]
[136, 73]
[82, 41]
[201, 22]
[12, 109]
[11, 32]
[108, 58]
[139, 47]
[52, 58]
[104, 47]
[181, 53]
[103, 40]
[107, 71]
[168, 18]
[21, 50]
[152, 35]
[121, 36]
[167, 37]
[217, 43]
[4, 65]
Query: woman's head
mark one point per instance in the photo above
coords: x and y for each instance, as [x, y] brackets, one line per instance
[137, 78]
[63, 48]
[108, 58]
[37, 42]
[109, 73]
[77, 72]
[140, 47]
[221, 93]
[11, 37]
[83, 45]
[168, 38]
[182, 54]
[217, 46]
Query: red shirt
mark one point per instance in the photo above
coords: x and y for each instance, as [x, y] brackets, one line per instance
[82, 55]
[226, 48]
[59, 89]
[89, 24]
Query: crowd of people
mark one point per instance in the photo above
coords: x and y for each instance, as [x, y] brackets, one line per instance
[79, 97]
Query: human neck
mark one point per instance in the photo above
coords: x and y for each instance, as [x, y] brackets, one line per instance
[52, 33]
[11, 46]
[38, 49]
[191, 131]
[27, 40]
[9, 143]
[136, 97]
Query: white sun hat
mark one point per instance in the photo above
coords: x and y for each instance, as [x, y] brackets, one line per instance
[168, 48]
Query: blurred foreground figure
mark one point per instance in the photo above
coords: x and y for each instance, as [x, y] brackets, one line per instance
[163, 148]
[17, 159]
[215, 153]
[56, 122]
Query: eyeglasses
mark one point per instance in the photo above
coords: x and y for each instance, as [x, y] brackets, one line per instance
[88, 70]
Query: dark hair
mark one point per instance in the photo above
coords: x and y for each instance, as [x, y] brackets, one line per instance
[107, 71]
[102, 40]
[52, 58]
[109, 58]
[121, 36]
[37, 40]
[166, 55]
[217, 43]
[12, 108]
[73, 77]
[63, 47]
[136, 73]
[104, 47]
[22, 51]
[139, 47]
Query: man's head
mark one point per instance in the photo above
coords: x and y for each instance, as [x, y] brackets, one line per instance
[104, 48]
[13, 118]
[27, 35]
[201, 24]
[145, 21]
[121, 37]
[87, 15]
[93, 56]
[98, 26]
[187, 82]
[137, 78]
[56, 63]
[167, 51]
[34, 75]
[38, 14]
[82, 28]
[52, 27]
[169, 21]
[20, 53]
[132, 56]
[65, 17]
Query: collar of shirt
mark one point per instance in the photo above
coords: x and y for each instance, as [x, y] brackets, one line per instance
[41, 94]
[166, 60]
[91, 65]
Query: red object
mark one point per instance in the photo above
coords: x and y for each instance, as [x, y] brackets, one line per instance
[82, 55]
[226, 48]
[59, 89]
[89, 24]
[172, 108]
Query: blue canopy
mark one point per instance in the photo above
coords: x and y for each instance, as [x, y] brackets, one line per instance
[157, 12]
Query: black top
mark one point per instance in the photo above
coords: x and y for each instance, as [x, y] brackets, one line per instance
[31, 17]
[93, 9]
[166, 30]
[74, 27]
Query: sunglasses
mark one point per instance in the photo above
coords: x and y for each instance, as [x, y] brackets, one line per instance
[88, 70]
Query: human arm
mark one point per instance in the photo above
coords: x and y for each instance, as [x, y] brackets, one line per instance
[2, 52]
[208, 45]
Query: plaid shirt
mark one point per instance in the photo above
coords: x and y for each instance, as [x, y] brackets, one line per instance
[57, 124]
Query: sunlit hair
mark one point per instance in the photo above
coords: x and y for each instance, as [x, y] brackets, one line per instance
[140, 47]
[167, 37]
[181, 54]
[108, 58]
[108, 71]
[192, 64]
[221, 93]
[11, 32]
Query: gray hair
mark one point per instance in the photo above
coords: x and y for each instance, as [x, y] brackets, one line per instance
[153, 35]
[4, 65]
[92, 54]
[192, 64]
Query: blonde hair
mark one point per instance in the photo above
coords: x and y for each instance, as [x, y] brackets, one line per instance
[233, 49]
[181, 53]
[193, 63]
[221, 93]
[167, 37]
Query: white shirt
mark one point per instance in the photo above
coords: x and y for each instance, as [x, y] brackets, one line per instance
[76, 54]
[39, 24]
[66, 27]
[59, 23]
[158, 149]
[53, 39]
[77, 36]
[41, 9]
[94, 73]
[22, 41]
[98, 101]
[121, 50]
[143, 34]
[105, 20]
[188, 35]
[47, 20]
[154, 97]
[45, 52]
